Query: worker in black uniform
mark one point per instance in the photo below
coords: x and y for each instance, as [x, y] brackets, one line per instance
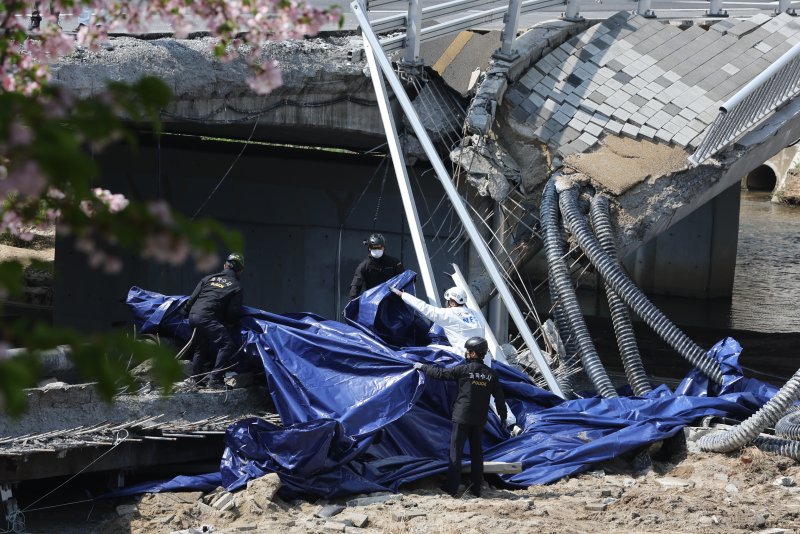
[476, 382]
[376, 269]
[214, 307]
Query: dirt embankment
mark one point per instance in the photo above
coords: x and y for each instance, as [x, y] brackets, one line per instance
[748, 491]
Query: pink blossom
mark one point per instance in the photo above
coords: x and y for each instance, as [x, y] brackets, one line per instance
[86, 208]
[114, 202]
[161, 211]
[19, 134]
[27, 179]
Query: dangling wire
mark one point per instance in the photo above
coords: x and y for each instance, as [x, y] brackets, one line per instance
[380, 195]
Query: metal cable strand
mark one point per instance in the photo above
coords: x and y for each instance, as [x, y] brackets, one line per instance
[614, 276]
[566, 293]
[750, 428]
[620, 318]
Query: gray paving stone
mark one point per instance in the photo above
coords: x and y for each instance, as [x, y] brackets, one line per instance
[568, 109]
[613, 84]
[589, 106]
[514, 97]
[582, 116]
[573, 99]
[566, 135]
[629, 89]
[593, 129]
[597, 97]
[606, 109]
[647, 131]
[638, 100]
[647, 112]
[647, 93]
[579, 146]
[630, 107]
[599, 119]
[531, 78]
[537, 100]
[697, 125]
[638, 83]
[576, 124]
[621, 114]
[682, 138]
[520, 115]
[558, 95]
[687, 114]
[529, 106]
[622, 77]
[742, 28]
[617, 99]
[614, 126]
[659, 119]
[606, 90]
[630, 130]
[615, 65]
[589, 139]
[664, 135]
[638, 119]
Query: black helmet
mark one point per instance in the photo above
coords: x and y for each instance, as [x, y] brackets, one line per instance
[375, 240]
[236, 261]
[477, 344]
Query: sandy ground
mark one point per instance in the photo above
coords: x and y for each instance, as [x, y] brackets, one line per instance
[748, 491]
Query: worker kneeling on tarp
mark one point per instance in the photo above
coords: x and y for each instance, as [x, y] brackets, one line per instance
[476, 383]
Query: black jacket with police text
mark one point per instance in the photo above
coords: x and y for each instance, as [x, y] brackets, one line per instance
[372, 272]
[217, 295]
[476, 382]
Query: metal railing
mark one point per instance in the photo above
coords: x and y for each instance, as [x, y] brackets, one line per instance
[398, 42]
[776, 85]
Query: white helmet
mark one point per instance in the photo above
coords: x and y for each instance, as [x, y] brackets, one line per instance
[456, 294]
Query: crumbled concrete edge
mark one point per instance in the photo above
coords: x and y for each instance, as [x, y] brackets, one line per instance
[531, 47]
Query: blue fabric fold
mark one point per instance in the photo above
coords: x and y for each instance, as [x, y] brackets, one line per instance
[358, 418]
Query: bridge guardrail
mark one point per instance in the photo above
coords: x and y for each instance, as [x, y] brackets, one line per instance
[776, 85]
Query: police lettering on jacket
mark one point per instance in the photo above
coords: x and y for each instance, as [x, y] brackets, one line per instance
[476, 383]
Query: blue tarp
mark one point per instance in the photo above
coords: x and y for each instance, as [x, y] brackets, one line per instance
[358, 417]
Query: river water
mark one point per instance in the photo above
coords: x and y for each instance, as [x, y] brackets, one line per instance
[766, 288]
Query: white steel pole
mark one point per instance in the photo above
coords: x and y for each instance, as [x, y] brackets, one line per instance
[411, 55]
[403, 183]
[455, 199]
[509, 35]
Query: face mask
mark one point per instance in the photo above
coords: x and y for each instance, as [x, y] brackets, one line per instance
[376, 253]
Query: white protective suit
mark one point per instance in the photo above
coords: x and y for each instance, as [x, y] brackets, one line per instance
[459, 323]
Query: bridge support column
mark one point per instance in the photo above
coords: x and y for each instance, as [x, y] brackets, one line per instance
[696, 257]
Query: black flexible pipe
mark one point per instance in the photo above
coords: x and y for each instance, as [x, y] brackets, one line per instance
[566, 294]
[750, 428]
[567, 339]
[789, 425]
[614, 276]
[620, 318]
[784, 447]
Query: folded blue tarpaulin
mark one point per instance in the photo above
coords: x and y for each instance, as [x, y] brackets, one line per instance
[358, 418]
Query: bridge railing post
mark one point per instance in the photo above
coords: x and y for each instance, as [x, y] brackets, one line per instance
[643, 9]
[572, 13]
[411, 53]
[715, 9]
[785, 6]
[509, 34]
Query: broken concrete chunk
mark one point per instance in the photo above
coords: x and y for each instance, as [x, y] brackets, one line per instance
[358, 520]
[596, 506]
[202, 529]
[224, 502]
[264, 489]
[366, 501]
[335, 526]
[673, 482]
[405, 515]
[127, 509]
[329, 510]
